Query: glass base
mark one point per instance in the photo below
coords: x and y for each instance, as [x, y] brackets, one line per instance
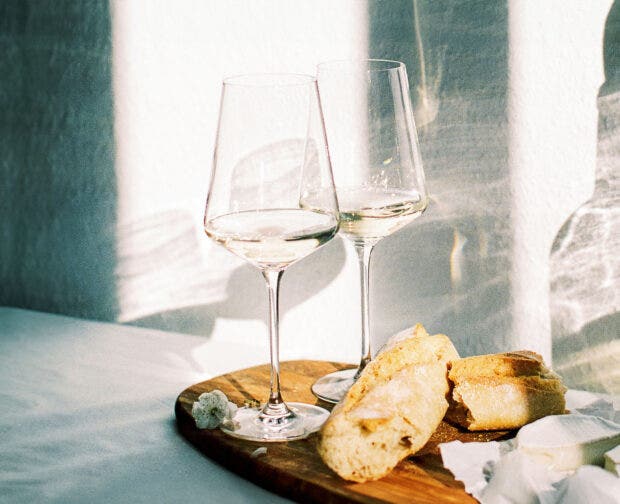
[333, 387]
[305, 419]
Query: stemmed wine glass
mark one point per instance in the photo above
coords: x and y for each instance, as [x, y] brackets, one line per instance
[270, 156]
[377, 168]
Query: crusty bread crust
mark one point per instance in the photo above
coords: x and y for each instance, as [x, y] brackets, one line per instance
[392, 409]
[503, 391]
[520, 363]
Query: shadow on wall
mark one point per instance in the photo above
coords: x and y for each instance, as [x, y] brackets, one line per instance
[165, 283]
[62, 247]
[245, 294]
[58, 191]
[585, 265]
[454, 262]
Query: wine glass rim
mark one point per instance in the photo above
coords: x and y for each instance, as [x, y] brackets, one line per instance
[389, 64]
[268, 79]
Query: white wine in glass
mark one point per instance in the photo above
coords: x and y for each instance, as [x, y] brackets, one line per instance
[271, 154]
[377, 168]
[272, 239]
[367, 215]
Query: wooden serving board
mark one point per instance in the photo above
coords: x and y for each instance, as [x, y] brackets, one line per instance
[295, 470]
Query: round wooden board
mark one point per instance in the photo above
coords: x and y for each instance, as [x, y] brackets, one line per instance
[295, 470]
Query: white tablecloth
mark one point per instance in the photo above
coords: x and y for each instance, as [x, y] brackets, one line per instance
[87, 413]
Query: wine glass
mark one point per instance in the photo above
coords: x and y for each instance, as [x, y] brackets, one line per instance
[377, 168]
[270, 155]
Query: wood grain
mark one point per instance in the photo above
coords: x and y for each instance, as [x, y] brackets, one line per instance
[295, 470]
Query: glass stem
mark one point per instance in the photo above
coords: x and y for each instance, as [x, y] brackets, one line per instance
[363, 255]
[275, 409]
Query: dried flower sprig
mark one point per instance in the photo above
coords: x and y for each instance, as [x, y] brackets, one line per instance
[212, 409]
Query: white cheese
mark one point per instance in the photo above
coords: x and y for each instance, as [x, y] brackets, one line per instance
[612, 460]
[565, 442]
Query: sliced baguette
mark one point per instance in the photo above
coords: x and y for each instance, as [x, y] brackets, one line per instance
[392, 409]
[503, 391]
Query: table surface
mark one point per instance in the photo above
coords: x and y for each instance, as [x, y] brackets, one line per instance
[87, 413]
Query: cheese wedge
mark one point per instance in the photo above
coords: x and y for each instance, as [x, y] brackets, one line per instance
[565, 442]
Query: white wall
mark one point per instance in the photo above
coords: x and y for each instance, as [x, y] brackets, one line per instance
[526, 146]
[507, 131]
[556, 69]
[169, 61]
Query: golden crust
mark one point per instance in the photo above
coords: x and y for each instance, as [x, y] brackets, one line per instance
[520, 363]
[395, 356]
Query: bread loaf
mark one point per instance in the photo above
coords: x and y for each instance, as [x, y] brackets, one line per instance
[503, 391]
[392, 409]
